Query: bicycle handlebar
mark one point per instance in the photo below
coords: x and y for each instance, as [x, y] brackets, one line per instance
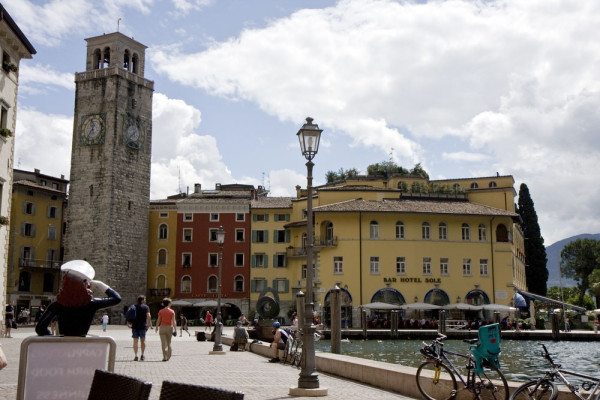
[546, 355]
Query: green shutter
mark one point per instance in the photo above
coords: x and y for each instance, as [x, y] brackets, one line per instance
[253, 285]
[284, 261]
[266, 261]
[254, 217]
[266, 236]
[276, 217]
[266, 217]
[253, 261]
[275, 260]
[253, 236]
[287, 217]
[287, 236]
[287, 286]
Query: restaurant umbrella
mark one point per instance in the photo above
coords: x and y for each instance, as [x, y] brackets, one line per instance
[381, 306]
[462, 306]
[181, 303]
[419, 306]
[498, 307]
[209, 304]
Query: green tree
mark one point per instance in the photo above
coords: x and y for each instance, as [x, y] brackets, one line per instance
[578, 261]
[569, 295]
[418, 170]
[385, 168]
[536, 273]
[341, 175]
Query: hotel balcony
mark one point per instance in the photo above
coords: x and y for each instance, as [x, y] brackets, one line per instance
[34, 263]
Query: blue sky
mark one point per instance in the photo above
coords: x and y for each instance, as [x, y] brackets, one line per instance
[467, 88]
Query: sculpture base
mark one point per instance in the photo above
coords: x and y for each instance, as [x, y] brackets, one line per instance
[217, 352]
[300, 392]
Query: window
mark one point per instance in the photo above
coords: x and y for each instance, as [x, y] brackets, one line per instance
[212, 284]
[186, 284]
[443, 266]
[163, 215]
[24, 281]
[493, 184]
[240, 217]
[425, 230]
[52, 212]
[260, 236]
[281, 285]
[483, 267]
[482, 233]
[214, 216]
[466, 232]
[466, 266]
[400, 266]
[374, 230]
[51, 232]
[443, 231]
[474, 185]
[259, 261]
[240, 235]
[399, 230]
[257, 285]
[186, 260]
[238, 284]
[187, 235]
[55, 186]
[188, 217]
[29, 208]
[338, 265]
[426, 266]
[304, 271]
[213, 260]
[162, 257]
[28, 229]
[239, 259]
[3, 116]
[279, 260]
[52, 258]
[43, 182]
[281, 236]
[374, 265]
[212, 235]
[501, 233]
[260, 217]
[48, 283]
[163, 232]
[282, 217]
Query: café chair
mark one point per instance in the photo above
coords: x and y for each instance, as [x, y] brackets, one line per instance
[110, 385]
[176, 391]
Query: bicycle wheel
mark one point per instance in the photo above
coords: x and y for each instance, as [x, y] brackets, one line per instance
[435, 381]
[491, 384]
[297, 361]
[287, 352]
[536, 390]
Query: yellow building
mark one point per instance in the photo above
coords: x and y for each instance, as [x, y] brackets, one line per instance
[36, 236]
[442, 242]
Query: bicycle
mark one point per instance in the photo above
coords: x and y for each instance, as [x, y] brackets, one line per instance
[544, 388]
[288, 351]
[436, 377]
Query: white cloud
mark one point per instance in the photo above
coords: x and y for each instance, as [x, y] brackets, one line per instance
[461, 156]
[31, 77]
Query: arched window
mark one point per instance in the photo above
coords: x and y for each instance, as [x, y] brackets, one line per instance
[501, 233]
[212, 284]
[134, 63]
[437, 297]
[474, 185]
[443, 231]
[493, 184]
[425, 232]
[482, 233]
[186, 284]
[106, 57]
[238, 284]
[466, 232]
[374, 230]
[399, 230]
[126, 60]
[456, 188]
[162, 257]
[161, 282]
[329, 234]
[163, 232]
[97, 59]
[304, 236]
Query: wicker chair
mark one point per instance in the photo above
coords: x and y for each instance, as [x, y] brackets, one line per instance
[110, 385]
[176, 391]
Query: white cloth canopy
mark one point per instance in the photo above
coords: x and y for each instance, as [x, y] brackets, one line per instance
[420, 306]
[181, 303]
[381, 306]
[461, 306]
[498, 307]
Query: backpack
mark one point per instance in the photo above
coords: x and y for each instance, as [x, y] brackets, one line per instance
[130, 314]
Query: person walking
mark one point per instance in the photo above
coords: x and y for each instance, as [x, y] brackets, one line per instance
[140, 325]
[9, 315]
[207, 320]
[104, 321]
[184, 325]
[168, 328]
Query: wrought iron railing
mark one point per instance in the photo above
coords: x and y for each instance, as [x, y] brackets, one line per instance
[39, 263]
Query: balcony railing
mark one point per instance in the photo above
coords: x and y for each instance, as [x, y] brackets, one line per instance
[326, 242]
[164, 292]
[39, 263]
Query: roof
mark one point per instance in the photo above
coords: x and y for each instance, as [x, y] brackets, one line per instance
[5, 16]
[552, 302]
[361, 188]
[416, 206]
[272, 202]
[33, 185]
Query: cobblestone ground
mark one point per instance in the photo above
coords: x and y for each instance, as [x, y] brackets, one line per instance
[191, 363]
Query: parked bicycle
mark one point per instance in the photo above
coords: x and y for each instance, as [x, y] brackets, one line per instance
[436, 377]
[544, 388]
[293, 349]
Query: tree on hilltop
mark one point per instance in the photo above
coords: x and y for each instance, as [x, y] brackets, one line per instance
[579, 260]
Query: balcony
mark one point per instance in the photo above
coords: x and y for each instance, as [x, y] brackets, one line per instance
[40, 263]
[164, 292]
[296, 252]
[326, 242]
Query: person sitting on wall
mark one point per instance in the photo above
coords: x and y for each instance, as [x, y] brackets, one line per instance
[75, 303]
[280, 337]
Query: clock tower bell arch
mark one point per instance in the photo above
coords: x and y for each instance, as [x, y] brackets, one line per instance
[109, 193]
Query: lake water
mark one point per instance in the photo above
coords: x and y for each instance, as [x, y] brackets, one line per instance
[520, 359]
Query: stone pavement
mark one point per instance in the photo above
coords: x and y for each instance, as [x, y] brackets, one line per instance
[191, 363]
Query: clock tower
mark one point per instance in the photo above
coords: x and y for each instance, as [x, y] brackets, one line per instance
[109, 194]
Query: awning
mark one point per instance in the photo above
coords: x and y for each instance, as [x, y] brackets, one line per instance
[550, 301]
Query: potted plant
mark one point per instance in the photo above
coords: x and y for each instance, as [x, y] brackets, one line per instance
[3, 220]
[5, 132]
[8, 66]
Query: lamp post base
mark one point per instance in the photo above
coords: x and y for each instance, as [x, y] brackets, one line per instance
[217, 352]
[301, 392]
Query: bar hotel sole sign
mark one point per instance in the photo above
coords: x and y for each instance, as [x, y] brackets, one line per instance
[412, 280]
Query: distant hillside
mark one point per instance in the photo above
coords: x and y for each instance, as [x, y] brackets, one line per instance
[553, 254]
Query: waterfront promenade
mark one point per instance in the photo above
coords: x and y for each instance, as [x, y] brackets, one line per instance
[191, 363]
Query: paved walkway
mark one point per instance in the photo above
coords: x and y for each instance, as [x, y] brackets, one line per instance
[191, 363]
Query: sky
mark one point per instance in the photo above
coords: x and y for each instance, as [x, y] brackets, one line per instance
[466, 88]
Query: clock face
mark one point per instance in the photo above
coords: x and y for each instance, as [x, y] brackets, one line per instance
[133, 133]
[92, 130]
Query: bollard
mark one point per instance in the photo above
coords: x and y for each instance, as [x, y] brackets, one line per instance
[555, 326]
[442, 322]
[394, 324]
[336, 320]
[363, 321]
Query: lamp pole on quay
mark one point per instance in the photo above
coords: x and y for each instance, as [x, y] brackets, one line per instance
[309, 136]
[218, 346]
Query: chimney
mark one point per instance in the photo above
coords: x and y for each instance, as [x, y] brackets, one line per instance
[217, 186]
[197, 188]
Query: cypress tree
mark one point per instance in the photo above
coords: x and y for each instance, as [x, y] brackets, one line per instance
[536, 272]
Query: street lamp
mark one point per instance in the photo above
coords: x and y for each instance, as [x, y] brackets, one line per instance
[309, 136]
[218, 346]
